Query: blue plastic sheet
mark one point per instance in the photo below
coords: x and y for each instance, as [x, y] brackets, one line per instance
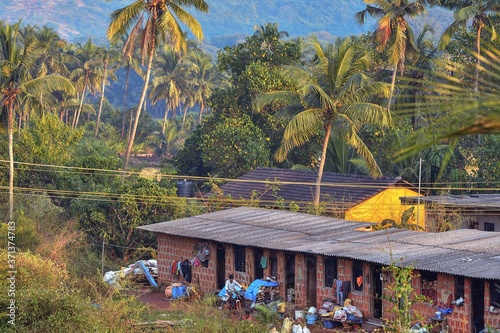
[253, 288]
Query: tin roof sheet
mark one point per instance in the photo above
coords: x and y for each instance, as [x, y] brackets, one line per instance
[464, 252]
[346, 190]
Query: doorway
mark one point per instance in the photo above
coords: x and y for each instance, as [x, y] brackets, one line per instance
[377, 290]
[477, 298]
[258, 271]
[221, 265]
[290, 277]
[311, 280]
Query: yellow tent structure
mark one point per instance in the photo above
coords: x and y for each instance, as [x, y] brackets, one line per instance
[386, 205]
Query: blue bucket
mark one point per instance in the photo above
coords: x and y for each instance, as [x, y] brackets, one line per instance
[311, 319]
[178, 291]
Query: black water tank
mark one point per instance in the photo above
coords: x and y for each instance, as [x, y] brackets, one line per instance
[184, 188]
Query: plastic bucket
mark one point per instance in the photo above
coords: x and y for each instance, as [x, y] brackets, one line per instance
[299, 314]
[168, 292]
[311, 319]
[178, 291]
[312, 310]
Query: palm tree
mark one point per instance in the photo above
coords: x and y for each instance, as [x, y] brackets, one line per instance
[108, 56]
[169, 81]
[333, 95]
[129, 62]
[87, 74]
[154, 22]
[394, 32]
[18, 87]
[466, 11]
[203, 74]
[419, 73]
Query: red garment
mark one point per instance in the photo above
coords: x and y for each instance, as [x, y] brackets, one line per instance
[174, 267]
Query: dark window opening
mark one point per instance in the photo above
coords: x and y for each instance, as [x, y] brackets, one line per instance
[273, 264]
[330, 271]
[429, 285]
[358, 276]
[459, 287]
[495, 293]
[239, 258]
[488, 226]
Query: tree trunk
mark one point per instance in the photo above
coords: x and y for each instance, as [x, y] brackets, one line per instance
[101, 101]
[393, 83]
[165, 116]
[317, 194]
[139, 108]
[202, 108]
[77, 114]
[478, 62]
[185, 113]
[10, 125]
[125, 100]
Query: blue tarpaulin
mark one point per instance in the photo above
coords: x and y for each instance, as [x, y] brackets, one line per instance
[222, 293]
[253, 288]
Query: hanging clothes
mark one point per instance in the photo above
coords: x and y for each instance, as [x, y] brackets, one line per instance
[263, 262]
[174, 267]
[186, 270]
[340, 298]
[345, 290]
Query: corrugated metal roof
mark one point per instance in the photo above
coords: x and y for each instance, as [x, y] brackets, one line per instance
[464, 252]
[299, 186]
[466, 201]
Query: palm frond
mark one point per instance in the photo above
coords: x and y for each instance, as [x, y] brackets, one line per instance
[299, 131]
[122, 19]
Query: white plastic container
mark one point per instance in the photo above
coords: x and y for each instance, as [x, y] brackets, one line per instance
[299, 314]
[312, 310]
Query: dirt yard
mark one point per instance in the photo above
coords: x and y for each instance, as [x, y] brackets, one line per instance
[158, 301]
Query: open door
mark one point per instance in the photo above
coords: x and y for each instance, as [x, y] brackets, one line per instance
[290, 277]
[376, 291]
[311, 280]
[257, 257]
[477, 311]
[221, 266]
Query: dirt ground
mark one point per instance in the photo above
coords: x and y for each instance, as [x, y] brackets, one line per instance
[158, 301]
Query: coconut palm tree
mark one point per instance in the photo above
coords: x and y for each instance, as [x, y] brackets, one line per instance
[475, 11]
[155, 22]
[394, 35]
[169, 81]
[87, 75]
[419, 73]
[203, 74]
[128, 62]
[333, 95]
[109, 56]
[18, 87]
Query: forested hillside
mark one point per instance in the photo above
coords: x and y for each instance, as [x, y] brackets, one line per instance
[78, 20]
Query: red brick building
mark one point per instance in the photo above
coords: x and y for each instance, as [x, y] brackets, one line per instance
[308, 254]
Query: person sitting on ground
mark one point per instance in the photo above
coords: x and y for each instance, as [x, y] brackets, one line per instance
[231, 286]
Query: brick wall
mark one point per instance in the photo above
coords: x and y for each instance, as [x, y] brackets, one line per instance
[172, 248]
[300, 279]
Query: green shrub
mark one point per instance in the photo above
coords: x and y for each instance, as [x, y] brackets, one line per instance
[48, 300]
